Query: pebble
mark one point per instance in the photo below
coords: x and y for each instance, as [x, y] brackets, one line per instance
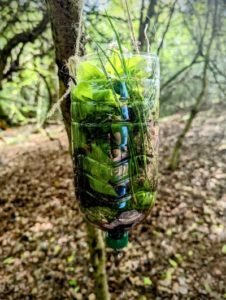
[92, 297]
[183, 289]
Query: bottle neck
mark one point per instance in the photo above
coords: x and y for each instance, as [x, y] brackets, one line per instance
[117, 239]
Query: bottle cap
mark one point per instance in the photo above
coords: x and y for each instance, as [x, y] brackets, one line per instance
[118, 241]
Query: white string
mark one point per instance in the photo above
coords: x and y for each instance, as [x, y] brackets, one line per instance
[80, 7]
[59, 101]
[146, 37]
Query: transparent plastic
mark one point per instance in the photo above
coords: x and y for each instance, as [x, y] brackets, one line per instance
[115, 142]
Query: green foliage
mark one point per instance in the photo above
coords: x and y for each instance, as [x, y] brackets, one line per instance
[87, 71]
[223, 249]
[72, 282]
[100, 213]
[91, 79]
[101, 187]
[78, 138]
[179, 257]
[86, 91]
[115, 79]
[147, 281]
[207, 287]
[131, 66]
[8, 260]
[57, 249]
[100, 172]
[102, 85]
[97, 169]
[71, 258]
[25, 94]
[145, 199]
[179, 46]
[173, 263]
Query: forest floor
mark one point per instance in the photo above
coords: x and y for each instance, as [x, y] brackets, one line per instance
[179, 252]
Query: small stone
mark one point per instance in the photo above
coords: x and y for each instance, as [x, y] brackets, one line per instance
[34, 291]
[182, 280]
[164, 283]
[217, 272]
[150, 255]
[43, 246]
[92, 297]
[183, 289]
[18, 247]
[79, 296]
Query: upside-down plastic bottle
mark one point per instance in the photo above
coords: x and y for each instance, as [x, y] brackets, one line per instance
[115, 141]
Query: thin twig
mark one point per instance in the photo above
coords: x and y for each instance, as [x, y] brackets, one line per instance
[130, 23]
[167, 26]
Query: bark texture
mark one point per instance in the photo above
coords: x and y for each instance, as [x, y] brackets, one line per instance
[64, 16]
[98, 261]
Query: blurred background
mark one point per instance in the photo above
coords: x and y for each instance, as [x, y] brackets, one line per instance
[179, 253]
[179, 32]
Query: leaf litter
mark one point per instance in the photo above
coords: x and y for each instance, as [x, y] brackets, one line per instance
[177, 253]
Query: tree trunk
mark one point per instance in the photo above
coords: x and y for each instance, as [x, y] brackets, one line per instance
[98, 261]
[174, 160]
[64, 17]
[144, 23]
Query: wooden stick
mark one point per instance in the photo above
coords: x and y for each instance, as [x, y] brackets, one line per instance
[131, 29]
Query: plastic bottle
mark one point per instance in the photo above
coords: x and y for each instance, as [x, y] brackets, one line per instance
[115, 145]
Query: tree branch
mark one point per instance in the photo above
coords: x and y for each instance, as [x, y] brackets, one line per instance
[23, 37]
[64, 16]
[167, 26]
[142, 12]
[14, 65]
[97, 14]
[98, 261]
[178, 73]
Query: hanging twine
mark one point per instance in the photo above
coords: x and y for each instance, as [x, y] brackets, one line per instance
[131, 29]
[130, 25]
[57, 105]
[72, 62]
[81, 8]
[146, 37]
